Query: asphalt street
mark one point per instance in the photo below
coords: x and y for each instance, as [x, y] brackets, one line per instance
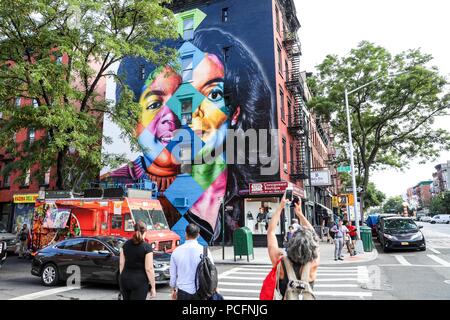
[393, 275]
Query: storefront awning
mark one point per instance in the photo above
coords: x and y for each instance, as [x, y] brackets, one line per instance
[329, 211]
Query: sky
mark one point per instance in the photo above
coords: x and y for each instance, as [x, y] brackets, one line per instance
[337, 26]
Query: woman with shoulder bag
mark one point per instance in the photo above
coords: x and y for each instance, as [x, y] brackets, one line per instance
[136, 266]
[298, 266]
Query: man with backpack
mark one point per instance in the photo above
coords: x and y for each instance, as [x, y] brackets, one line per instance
[193, 275]
[23, 238]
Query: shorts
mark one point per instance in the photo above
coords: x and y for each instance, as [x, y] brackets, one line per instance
[353, 237]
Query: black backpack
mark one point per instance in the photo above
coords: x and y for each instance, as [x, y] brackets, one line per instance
[206, 279]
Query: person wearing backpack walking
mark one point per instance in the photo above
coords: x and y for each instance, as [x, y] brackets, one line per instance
[23, 238]
[184, 264]
[293, 275]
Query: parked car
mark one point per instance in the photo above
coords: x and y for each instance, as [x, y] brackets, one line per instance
[400, 233]
[440, 218]
[3, 252]
[380, 218]
[97, 257]
[10, 238]
[425, 219]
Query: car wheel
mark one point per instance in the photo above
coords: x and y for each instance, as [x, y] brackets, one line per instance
[448, 222]
[385, 249]
[422, 249]
[433, 222]
[49, 275]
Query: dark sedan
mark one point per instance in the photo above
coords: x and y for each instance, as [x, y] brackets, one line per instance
[96, 257]
[400, 233]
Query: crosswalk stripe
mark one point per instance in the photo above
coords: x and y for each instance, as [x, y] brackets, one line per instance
[239, 298]
[258, 273]
[402, 260]
[337, 274]
[253, 269]
[238, 290]
[343, 293]
[242, 278]
[439, 260]
[331, 285]
[434, 250]
[243, 284]
[335, 280]
[266, 266]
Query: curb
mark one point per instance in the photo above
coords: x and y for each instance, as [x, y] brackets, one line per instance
[366, 257]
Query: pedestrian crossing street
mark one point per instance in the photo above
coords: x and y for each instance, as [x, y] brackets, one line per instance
[244, 282]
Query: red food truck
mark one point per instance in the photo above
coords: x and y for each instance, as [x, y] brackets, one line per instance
[57, 219]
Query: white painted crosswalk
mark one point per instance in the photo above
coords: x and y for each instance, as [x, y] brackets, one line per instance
[436, 260]
[244, 283]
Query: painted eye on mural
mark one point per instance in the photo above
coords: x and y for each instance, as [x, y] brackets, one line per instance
[154, 105]
[216, 95]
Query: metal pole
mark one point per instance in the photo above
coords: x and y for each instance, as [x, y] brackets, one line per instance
[352, 164]
[223, 230]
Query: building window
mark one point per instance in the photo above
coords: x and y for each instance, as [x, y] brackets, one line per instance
[26, 182]
[186, 112]
[35, 103]
[284, 155]
[286, 69]
[47, 178]
[225, 15]
[289, 105]
[280, 63]
[7, 181]
[142, 72]
[187, 65]
[282, 105]
[226, 54]
[188, 28]
[277, 18]
[18, 102]
[59, 60]
[31, 135]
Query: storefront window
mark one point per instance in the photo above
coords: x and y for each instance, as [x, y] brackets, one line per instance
[23, 213]
[258, 213]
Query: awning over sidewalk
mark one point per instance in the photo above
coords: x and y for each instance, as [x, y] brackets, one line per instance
[328, 210]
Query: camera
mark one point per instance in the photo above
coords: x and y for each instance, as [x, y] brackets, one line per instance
[289, 194]
[295, 201]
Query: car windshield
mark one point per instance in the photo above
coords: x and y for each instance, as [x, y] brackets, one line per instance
[115, 243]
[142, 215]
[400, 225]
[159, 220]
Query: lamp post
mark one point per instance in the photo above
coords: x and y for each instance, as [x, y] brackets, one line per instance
[350, 141]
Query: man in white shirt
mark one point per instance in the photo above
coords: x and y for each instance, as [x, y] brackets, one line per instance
[183, 265]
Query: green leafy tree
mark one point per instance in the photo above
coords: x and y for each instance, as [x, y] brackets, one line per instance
[90, 37]
[440, 204]
[373, 198]
[392, 118]
[393, 205]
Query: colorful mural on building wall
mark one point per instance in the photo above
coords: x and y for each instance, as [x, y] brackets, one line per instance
[218, 84]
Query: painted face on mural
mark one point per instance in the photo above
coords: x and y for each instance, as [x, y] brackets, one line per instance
[208, 79]
[156, 116]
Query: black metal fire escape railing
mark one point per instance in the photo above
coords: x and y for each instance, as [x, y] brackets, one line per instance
[296, 121]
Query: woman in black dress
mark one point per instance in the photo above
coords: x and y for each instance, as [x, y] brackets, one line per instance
[136, 266]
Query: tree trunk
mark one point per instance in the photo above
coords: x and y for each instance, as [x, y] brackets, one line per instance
[59, 171]
[364, 186]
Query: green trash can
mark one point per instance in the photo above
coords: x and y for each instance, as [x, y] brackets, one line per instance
[366, 237]
[243, 243]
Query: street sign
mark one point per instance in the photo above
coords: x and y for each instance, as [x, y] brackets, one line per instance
[344, 169]
[345, 199]
[359, 189]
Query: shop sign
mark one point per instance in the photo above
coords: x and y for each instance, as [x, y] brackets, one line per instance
[320, 178]
[25, 198]
[274, 188]
[268, 187]
[117, 207]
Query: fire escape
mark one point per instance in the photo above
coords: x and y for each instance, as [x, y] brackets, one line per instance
[296, 121]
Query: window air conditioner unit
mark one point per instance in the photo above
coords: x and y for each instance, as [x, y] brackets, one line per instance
[181, 202]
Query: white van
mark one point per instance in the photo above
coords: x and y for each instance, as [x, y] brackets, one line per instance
[441, 218]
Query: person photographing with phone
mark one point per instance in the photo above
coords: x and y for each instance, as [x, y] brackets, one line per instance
[301, 262]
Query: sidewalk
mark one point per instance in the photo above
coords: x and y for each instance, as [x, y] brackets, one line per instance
[261, 256]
